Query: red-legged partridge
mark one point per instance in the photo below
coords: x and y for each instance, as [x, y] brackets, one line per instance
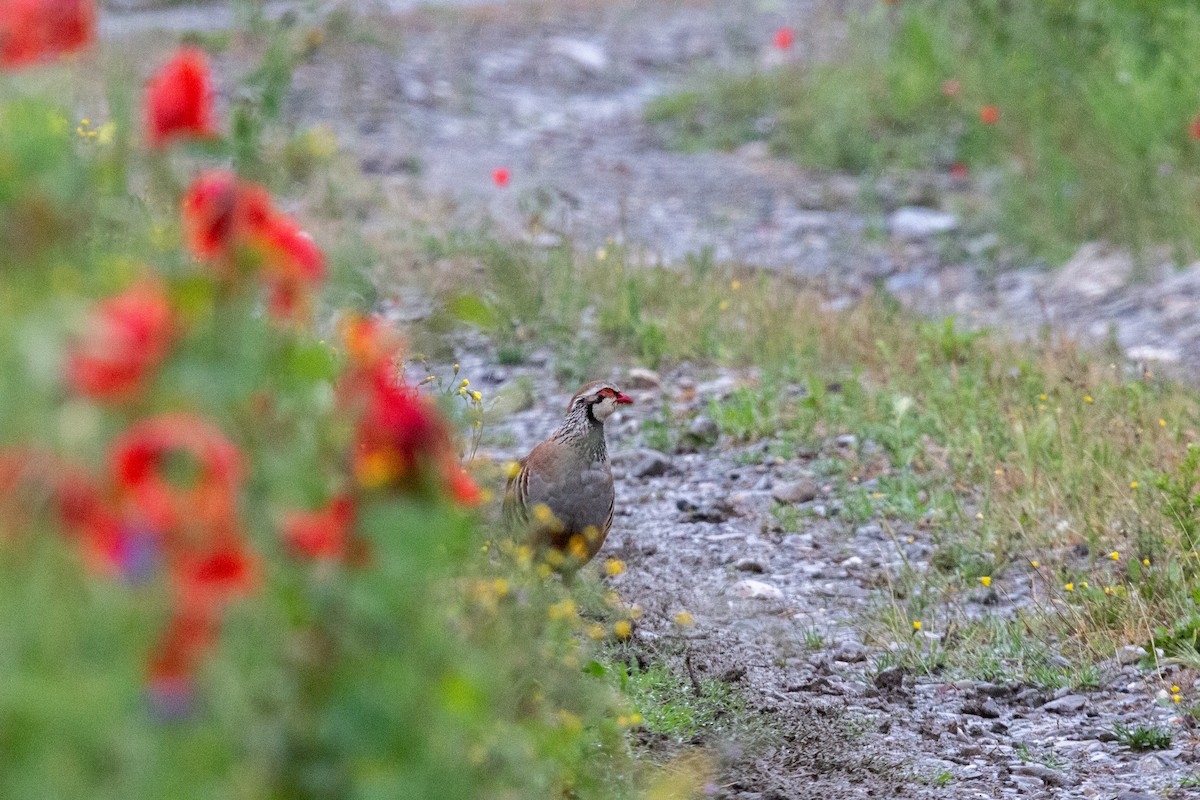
[562, 492]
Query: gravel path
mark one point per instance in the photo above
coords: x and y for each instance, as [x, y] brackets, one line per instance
[697, 534]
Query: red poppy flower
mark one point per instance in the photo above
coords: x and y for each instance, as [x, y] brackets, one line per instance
[190, 633]
[403, 443]
[127, 337]
[39, 30]
[293, 265]
[784, 38]
[463, 488]
[321, 534]
[207, 580]
[179, 99]
[372, 351]
[203, 504]
[1194, 128]
[959, 171]
[220, 212]
[399, 433]
[989, 115]
[500, 176]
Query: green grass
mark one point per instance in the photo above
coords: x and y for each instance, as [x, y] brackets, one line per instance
[1144, 737]
[1095, 103]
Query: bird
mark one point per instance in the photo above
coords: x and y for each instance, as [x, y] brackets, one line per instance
[561, 494]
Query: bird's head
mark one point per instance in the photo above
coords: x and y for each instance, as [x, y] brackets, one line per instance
[598, 398]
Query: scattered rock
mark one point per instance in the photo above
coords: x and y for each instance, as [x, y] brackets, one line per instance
[847, 440]
[1045, 774]
[642, 378]
[914, 222]
[981, 708]
[1096, 270]
[1130, 654]
[592, 57]
[701, 434]
[850, 652]
[749, 565]
[755, 590]
[890, 679]
[802, 490]
[1070, 704]
[651, 465]
[1150, 765]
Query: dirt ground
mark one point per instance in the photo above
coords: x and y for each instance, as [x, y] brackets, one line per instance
[554, 93]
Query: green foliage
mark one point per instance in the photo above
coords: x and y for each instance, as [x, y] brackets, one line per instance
[671, 706]
[444, 664]
[1144, 737]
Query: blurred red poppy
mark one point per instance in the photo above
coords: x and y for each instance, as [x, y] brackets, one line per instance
[500, 176]
[232, 224]
[959, 171]
[178, 475]
[207, 580]
[126, 338]
[220, 211]
[1194, 128]
[321, 534]
[39, 30]
[293, 265]
[372, 351]
[784, 38]
[989, 115]
[403, 443]
[179, 99]
[463, 488]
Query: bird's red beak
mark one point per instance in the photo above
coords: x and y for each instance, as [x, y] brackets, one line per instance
[623, 399]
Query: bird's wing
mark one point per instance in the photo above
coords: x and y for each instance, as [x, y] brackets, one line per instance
[516, 509]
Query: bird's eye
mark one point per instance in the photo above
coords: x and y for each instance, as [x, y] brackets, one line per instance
[606, 392]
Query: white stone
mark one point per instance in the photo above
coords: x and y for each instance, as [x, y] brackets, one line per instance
[756, 590]
[915, 222]
[592, 57]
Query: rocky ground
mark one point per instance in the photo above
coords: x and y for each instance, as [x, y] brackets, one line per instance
[554, 93]
[776, 616]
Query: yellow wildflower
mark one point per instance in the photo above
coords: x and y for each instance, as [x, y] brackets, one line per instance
[1176, 698]
[1070, 587]
[1034, 564]
[623, 629]
[564, 609]
[1087, 398]
[684, 619]
[916, 624]
[1145, 562]
[595, 631]
[614, 567]
[1114, 555]
[570, 722]
[477, 396]
[1162, 423]
[1174, 690]
[723, 305]
[735, 285]
[986, 580]
[1133, 484]
[1042, 397]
